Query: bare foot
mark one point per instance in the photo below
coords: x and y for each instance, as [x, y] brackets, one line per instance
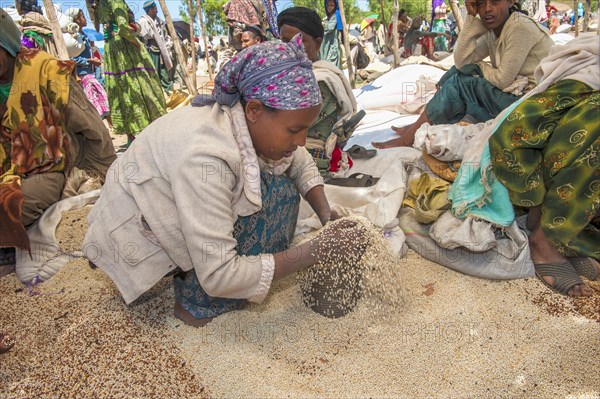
[6, 342]
[397, 142]
[401, 130]
[188, 318]
[6, 270]
[543, 252]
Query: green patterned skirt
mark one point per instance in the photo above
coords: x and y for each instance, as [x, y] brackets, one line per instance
[547, 152]
[134, 92]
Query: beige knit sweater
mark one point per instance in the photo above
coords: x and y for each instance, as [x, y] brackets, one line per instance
[517, 52]
[171, 200]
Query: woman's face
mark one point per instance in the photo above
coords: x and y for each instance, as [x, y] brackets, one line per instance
[249, 39]
[80, 19]
[277, 134]
[494, 13]
[312, 45]
[330, 7]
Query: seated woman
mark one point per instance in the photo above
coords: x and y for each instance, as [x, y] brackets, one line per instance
[545, 152]
[515, 44]
[252, 35]
[48, 128]
[415, 36]
[338, 103]
[215, 190]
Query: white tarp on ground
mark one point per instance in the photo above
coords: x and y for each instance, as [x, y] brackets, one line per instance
[399, 86]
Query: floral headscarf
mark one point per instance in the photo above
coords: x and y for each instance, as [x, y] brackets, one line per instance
[278, 74]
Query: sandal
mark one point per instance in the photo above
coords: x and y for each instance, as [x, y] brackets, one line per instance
[586, 267]
[360, 152]
[355, 180]
[6, 342]
[564, 276]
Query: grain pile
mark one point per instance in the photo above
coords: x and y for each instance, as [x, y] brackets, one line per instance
[455, 336]
[71, 229]
[366, 272]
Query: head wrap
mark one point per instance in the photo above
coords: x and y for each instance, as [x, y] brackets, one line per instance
[277, 74]
[72, 13]
[29, 6]
[305, 19]
[338, 16]
[256, 30]
[10, 35]
[417, 22]
[148, 4]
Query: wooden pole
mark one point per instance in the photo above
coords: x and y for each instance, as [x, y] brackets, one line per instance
[576, 17]
[457, 15]
[587, 10]
[346, 43]
[383, 18]
[178, 49]
[56, 31]
[192, 43]
[395, 37]
[206, 56]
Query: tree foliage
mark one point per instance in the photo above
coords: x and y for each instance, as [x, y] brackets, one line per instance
[212, 11]
[353, 13]
[412, 7]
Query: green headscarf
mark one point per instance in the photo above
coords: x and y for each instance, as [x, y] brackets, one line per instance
[10, 35]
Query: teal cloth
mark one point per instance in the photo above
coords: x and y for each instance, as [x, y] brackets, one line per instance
[465, 92]
[476, 192]
[10, 35]
[330, 46]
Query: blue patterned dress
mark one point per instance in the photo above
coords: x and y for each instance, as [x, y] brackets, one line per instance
[269, 230]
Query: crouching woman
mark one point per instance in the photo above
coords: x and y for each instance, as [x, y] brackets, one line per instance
[213, 190]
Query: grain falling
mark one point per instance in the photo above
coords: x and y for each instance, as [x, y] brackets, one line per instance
[368, 272]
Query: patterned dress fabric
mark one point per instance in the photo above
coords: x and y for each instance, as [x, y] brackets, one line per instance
[268, 231]
[547, 152]
[94, 91]
[440, 42]
[134, 92]
[32, 135]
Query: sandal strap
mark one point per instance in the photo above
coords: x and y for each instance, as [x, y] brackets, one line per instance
[586, 267]
[564, 275]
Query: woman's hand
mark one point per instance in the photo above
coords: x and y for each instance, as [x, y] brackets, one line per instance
[344, 240]
[341, 241]
[471, 6]
[334, 215]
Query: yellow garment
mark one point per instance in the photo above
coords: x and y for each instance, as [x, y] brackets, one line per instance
[33, 138]
[428, 196]
[178, 99]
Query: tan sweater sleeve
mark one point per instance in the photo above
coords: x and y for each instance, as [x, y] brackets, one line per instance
[471, 46]
[304, 172]
[202, 188]
[92, 147]
[516, 43]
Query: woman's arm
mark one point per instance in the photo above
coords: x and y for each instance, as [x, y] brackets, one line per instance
[515, 51]
[122, 21]
[471, 47]
[318, 202]
[92, 147]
